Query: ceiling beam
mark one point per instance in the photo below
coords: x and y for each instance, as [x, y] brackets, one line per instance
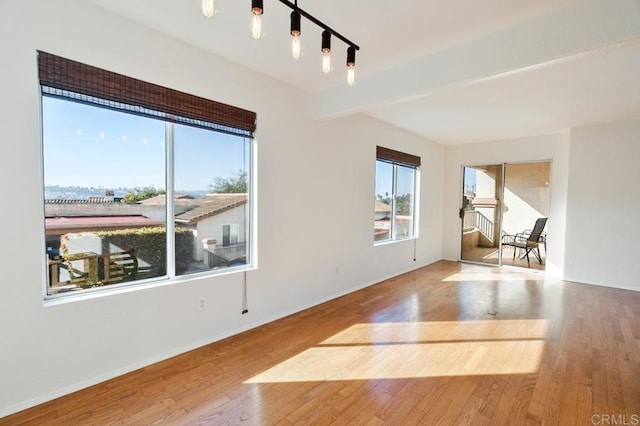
[583, 26]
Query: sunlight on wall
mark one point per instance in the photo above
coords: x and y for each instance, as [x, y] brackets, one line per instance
[415, 350]
[526, 195]
[518, 215]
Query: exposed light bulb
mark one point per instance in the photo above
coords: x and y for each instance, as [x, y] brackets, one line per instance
[351, 76]
[209, 8]
[256, 26]
[296, 47]
[351, 65]
[327, 66]
[296, 43]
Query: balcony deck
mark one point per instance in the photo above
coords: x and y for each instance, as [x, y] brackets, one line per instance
[490, 255]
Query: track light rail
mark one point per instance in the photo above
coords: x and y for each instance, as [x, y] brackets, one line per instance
[319, 23]
[209, 10]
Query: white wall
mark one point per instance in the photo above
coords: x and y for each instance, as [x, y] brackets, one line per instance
[547, 147]
[603, 208]
[51, 349]
[594, 204]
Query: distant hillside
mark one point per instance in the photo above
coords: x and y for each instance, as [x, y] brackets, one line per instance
[82, 192]
[79, 192]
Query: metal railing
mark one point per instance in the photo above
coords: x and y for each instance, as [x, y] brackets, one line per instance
[485, 225]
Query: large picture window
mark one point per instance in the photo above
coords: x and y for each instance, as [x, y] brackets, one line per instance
[395, 195]
[120, 157]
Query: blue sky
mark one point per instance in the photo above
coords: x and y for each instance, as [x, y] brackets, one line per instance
[96, 147]
[469, 176]
[384, 179]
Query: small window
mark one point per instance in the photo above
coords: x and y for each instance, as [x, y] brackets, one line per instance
[395, 195]
[230, 235]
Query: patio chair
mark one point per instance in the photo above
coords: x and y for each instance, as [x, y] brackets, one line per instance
[528, 241]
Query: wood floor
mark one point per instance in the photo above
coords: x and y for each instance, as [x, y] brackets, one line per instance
[448, 344]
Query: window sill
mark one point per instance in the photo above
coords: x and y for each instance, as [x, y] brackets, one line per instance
[389, 242]
[117, 289]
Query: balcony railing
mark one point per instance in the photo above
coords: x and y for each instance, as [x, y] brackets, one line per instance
[475, 219]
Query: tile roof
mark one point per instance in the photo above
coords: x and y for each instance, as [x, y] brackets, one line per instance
[188, 210]
[100, 222]
[209, 205]
[161, 199]
[382, 207]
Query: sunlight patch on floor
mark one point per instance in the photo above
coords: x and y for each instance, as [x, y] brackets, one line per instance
[402, 350]
[489, 276]
[440, 331]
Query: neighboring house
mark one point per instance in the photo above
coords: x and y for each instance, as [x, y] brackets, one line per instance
[219, 217]
[63, 216]
[382, 221]
[155, 207]
[382, 211]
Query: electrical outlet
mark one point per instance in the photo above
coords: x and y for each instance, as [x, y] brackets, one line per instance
[202, 304]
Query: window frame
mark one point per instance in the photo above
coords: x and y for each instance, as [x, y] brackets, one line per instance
[224, 119]
[400, 159]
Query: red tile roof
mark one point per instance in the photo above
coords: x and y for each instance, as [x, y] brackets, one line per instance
[99, 222]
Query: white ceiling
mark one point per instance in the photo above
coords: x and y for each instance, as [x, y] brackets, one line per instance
[586, 90]
[456, 71]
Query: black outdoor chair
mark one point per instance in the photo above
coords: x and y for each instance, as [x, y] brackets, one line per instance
[528, 241]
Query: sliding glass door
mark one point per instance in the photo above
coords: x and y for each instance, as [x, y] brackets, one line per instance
[481, 214]
[500, 206]
[526, 199]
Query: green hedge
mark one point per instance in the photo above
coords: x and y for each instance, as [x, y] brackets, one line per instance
[150, 247]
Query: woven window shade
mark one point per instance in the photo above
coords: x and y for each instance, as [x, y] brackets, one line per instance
[60, 77]
[397, 157]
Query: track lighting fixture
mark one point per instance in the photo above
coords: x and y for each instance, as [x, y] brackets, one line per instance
[296, 43]
[209, 10]
[327, 66]
[256, 19]
[351, 66]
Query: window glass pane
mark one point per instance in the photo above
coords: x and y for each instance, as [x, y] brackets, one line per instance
[226, 235]
[384, 194]
[404, 195]
[211, 205]
[234, 230]
[101, 168]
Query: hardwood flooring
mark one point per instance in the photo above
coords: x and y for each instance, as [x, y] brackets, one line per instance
[448, 344]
